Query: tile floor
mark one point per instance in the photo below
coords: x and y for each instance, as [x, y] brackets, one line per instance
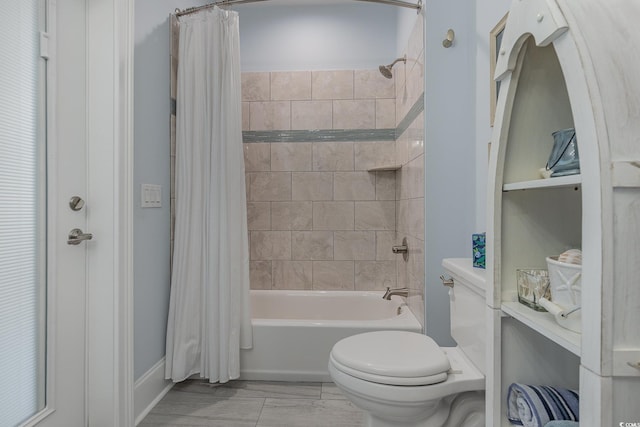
[255, 404]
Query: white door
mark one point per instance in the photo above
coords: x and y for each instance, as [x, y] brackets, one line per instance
[43, 278]
[67, 177]
[65, 310]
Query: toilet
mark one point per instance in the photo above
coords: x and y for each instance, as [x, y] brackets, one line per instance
[401, 378]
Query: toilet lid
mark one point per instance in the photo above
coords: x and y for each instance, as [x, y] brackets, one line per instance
[391, 357]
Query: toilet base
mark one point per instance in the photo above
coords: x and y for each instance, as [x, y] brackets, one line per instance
[461, 410]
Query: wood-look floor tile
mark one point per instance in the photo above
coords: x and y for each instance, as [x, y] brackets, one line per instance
[162, 420]
[332, 392]
[210, 407]
[309, 413]
[271, 389]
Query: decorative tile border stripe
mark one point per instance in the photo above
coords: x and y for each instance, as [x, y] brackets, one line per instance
[414, 111]
[320, 135]
[336, 135]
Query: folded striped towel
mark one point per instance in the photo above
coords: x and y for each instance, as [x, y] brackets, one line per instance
[535, 406]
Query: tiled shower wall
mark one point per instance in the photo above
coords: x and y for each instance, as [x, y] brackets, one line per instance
[318, 219]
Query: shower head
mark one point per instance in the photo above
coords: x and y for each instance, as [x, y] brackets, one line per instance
[385, 70]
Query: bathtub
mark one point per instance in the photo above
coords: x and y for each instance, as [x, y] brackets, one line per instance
[294, 331]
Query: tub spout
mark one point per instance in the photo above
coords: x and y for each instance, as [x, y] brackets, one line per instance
[403, 292]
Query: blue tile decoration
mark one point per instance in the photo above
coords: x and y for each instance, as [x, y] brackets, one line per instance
[478, 243]
[319, 135]
[336, 135]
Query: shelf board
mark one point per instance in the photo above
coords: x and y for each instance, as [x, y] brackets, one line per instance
[561, 181]
[545, 324]
[384, 168]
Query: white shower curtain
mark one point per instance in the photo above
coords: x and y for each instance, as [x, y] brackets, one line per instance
[209, 320]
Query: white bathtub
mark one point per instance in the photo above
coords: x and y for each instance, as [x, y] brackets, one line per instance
[294, 331]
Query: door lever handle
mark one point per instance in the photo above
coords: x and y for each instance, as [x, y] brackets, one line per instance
[76, 236]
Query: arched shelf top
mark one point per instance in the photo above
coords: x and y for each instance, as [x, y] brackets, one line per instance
[541, 19]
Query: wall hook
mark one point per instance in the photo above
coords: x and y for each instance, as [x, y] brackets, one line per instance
[448, 41]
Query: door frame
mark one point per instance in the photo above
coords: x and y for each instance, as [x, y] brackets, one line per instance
[110, 42]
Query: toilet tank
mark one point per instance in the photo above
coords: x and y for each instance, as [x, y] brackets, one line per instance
[468, 309]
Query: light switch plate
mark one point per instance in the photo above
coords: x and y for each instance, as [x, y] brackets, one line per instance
[150, 196]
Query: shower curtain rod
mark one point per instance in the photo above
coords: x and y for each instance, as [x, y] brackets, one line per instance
[179, 13]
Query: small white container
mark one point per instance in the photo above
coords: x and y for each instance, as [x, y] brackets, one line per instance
[566, 283]
[566, 293]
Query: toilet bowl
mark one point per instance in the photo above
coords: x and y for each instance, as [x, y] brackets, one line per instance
[401, 378]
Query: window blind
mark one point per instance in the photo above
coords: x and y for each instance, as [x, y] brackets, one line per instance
[22, 213]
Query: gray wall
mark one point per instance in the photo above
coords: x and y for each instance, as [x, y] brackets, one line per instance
[449, 151]
[457, 131]
[316, 37]
[151, 166]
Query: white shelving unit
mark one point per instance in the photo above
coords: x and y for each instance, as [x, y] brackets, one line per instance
[562, 64]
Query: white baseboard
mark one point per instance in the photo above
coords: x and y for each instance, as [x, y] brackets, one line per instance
[149, 389]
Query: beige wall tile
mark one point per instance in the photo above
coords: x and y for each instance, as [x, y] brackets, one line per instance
[354, 114]
[270, 245]
[411, 179]
[312, 186]
[371, 84]
[308, 115]
[401, 273]
[292, 274]
[270, 186]
[246, 109]
[291, 156]
[415, 137]
[332, 84]
[372, 154]
[385, 113]
[375, 275]
[257, 157]
[411, 218]
[415, 81]
[291, 215]
[374, 215]
[416, 218]
[415, 268]
[354, 245]
[385, 185]
[260, 274]
[333, 275]
[402, 213]
[333, 215]
[259, 215]
[384, 241]
[271, 115]
[402, 149]
[403, 104]
[333, 156]
[354, 186]
[312, 245]
[290, 85]
[255, 86]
